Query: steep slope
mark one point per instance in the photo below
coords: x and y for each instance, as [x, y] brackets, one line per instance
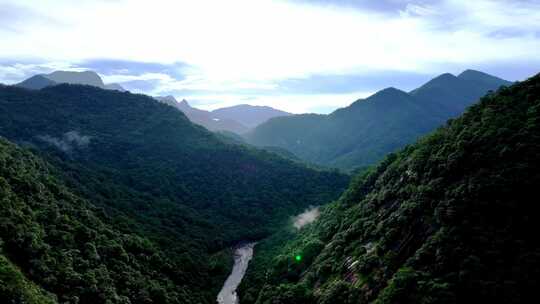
[14, 287]
[449, 219]
[152, 172]
[367, 130]
[204, 118]
[55, 239]
[248, 115]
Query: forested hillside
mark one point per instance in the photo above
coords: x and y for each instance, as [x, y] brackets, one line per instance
[450, 219]
[172, 194]
[364, 132]
[69, 247]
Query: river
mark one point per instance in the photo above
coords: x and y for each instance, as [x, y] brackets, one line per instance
[242, 256]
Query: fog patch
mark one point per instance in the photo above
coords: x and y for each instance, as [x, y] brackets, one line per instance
[307, 217]
[75, 138]
[68, 141]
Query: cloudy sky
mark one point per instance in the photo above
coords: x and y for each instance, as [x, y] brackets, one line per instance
[296, 55]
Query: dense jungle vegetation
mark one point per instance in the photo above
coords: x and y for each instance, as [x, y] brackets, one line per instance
[450, 219]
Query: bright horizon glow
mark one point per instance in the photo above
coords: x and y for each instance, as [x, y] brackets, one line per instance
[216, 53]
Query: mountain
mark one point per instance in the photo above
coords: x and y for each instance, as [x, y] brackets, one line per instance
[84, 78]
[205, 118]
[448, 96]
[56, 248]
[91, 78]
[248, 115]
[364, 132]
[111, 197]
[237, 119]
[114, 86]
[482, 78]
[36, 82]
[448, 219]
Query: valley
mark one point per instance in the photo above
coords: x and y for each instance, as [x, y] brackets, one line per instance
[119, 175]
[242, 255]
[269, 152]
[436, 222]
[144, 170]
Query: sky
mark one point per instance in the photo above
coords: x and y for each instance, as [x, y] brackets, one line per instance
[295, 55]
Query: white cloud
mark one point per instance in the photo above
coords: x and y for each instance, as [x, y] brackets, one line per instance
[16, 72]
[247, 44]
[256, 40]
[165, 78]
[412, 10]
[201, 84]
[68, 141]
[307, 217]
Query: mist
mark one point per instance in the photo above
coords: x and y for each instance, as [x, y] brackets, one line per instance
[68, 141]
[307, 217]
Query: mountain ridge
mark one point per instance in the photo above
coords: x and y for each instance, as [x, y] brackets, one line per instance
[363, 132]
[447, 219]
[238, 119]
[249, 115]
[204, 118]
[91, 78]
[142, 167]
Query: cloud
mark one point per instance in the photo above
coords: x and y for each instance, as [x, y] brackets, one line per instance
[380, 6]
[13, 71]
[417, 10]
[13, 16]
[75, 138]
[126, 67]
[348, 83]
[238, 48]
[146, 76]
[68, 141]
[243, 40]
[307, 217]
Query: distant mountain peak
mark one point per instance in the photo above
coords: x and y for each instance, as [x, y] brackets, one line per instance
[248, 107]
[389, 92]
[36, 82]
[444, 77]
[202, 117]
[381, 98]
[115, 87]
[370, 128]
[168, 98]
[442, 80]
[470, 72]
[184, 102]
[72, 77]
[91, 78]
[249, 115]
[473, 75]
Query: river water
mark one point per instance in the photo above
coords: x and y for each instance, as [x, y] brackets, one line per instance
[242, 256]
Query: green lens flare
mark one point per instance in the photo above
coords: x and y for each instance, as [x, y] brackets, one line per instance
[298, 258]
